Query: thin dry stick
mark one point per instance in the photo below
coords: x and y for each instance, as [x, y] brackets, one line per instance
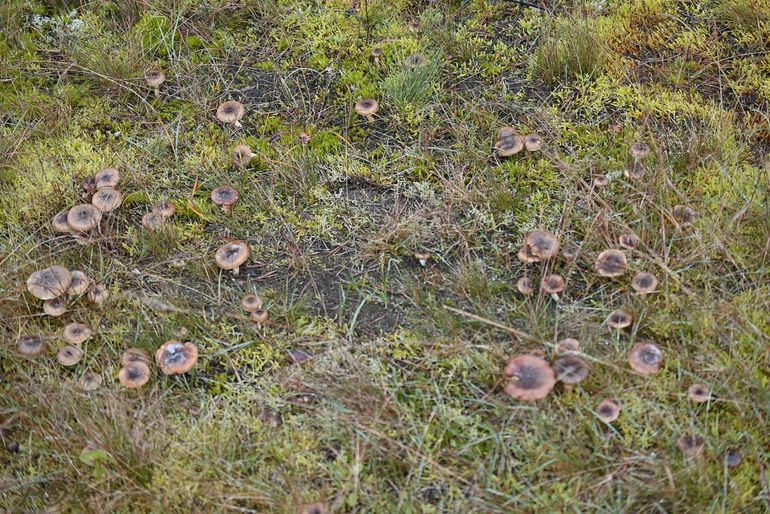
[517, 333]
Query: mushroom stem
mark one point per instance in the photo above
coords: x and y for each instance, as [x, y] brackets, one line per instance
[236, 270]
[555, 297]
[228, 209]
[237, 124]
[370, 118]
[157, 91]
[423, 262]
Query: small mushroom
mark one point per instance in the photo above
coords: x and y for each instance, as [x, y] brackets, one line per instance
[134, 375]
[570, 252]
[601, 181]
[259, 317]
[542, 244]
[79, 283]
[611, 263]
[231, 112]
[55, 307]
[530, 378]
[628, 241]
[251, 302]
[422, 258]
[691, 445]
[49, 283]
[367, 108]
[107, 199]
[620, 319]
[525, 255]
[570, 369]
[230, 256]
[639, 151]
[533, 142]
[416, 61]
[376, 53]
[90, 381]
[133, 355]
[108, 177]
[524, 285]
[225, 196]
[69, 355]
[84, 217]
[98, 294]
[30, 345]
[505, 132]
[304, 138]
[154, 79]
[153, 220]
[685, 216]
[553, 285]
[698, 393]
[76, 333]
[174, 357]
[314, 508]
[608, 410]
[644, 283]
[165, 208]
[645, 358]
[242, 156]
[634, 171]
[733, 458]
[568, 345]
[59, 222]
[88, 186]
[509, 146]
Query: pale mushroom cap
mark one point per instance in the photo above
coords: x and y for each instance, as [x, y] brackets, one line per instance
[699, 393]
[165, 208]
[230, 111]
[570, 369]
[134, 375]
[416, 61]
[232, 255]
[79, 283]
[49, 283]
[601, 181]
[153, 220]
[107, 199]
[553, 284]
[154, 78]
[376, 52]
[691, 445]
[59, 222]
[367, 106]
[133, 355]
[69, 355]
[525, 255]
[620, 319]
[76, 333]
[733, 458]
[90, 381]
[639, 150]
[314, 508]
[98, 293]
[531, 378]
[611, 263]
[55, 307]
[543, 244]
[242, 155]
[533, 142]
[509, 146]
[84, 217]
[251, 302]
[259, 316]
[567, 345]
[524, 285]
[224, 195]
[644, 282]
[174, 357]
[628, 241]
[684, 215]
[608, 410]
[645, 358]
[505, 133]
[108, 177]
[30, 345]
[570, 252]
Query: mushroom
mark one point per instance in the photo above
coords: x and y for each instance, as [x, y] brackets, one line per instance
[509, 146]
[30, 345]
[684, 215]
[639, 151]
[134, 375]
[59, 222]
[601, 181]
[525, 255]
[230, 256]
[84, 217]
[524, 285]
[634, 171]
[251, 302]
[628, 241]
[505, 133]
[314, 508]
[422, 258]
[304, 138]
[55, 307]
[107, 199]
[76, 333]
[49, 283]
[69, 355]
[154, 79]
[367, 108]
[570, 369]
[533, 142]
[78, 284]
[570, 252]
[644, 283]
[542, 244]
[608, 410]
[733, 458]
[98, 294]
[259, 317]
[698, 393]
[153, 220]
[691, 445]
[645, 358]
[568, 345]
[90, 381]
[133, 355]
[174, 357]
[225, 196]
[165, 208]
[231, 112]
[88, 185]
[553, 284]
[415, 61]
[376, 53]
[531, 378]
[620, 319]
[108, 177]
[611, 263]
[242, 156]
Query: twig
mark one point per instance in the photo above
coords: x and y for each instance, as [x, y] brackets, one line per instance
[518, 333]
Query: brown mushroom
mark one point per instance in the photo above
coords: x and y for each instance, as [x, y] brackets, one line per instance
[533, 142]
[601, 181]
[570, 252]
[505, 132]
[165, 208]
[133, 355]
[570, 369]
[645, 358]
[691, 445]
[84, 217]
[525, 287]
[108, 177]
[422, 258]
[699, 393]
[568, 345]
[611, 263]
[542, 244]
[259, 317]
[367, 108]
[608, 410]
[644, 283]
[553, 285]
[76, 333]
[530, 378]
[59, 222]
[107, 199]
[174, 357]
[639, 150]
[153, 220]
[30, 345]
[314, 508]
[628, 241]
[525, 255]
[509, 146]
[231, 112]
[134, 375]
[154, 79]
[242, 156]
[620, 319]
[230, 256]
[251, 302]
[90, 381]
[685, 216]
[79, 283]
[49, 283]
[69, 355]
[98, 294]
[225, 196]
[55, 307]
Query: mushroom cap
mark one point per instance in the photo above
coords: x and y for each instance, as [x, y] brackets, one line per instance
[376, 52]
[134, 375]
[230, 111]
[505, 133]
[133, 355]
[639, 150]
[509, 146]
[570, 369]
[314, 508]
[84, 217]
[232, 255]
[224, 195]
[684, 215]
[153, 220]
[55, 307]
[76, 333]
[733, 458]
[644, 283]
[174, 357]
[49, 283]
[367, 106]
[79, 283]
[532, 378]
[525, 255]
[242, 155]
[69, 355]
[568, 345]
[699, 393]
[611, 263]
[619, 319]
[645, 358]
[107, 199]
[251, 302]
[98, 293]
[634, 170]
[30, 345]
[59, 222]
[90, 381]
[154, 77]
[165, 208]
[524, 285]
[416, 60]
[691, 445]
[553, 284]
[533, 142]
[259, 316]
[608, 410]
[108, 177]
[628, 241]
[543, 244]
[601, 181]
[570, 252]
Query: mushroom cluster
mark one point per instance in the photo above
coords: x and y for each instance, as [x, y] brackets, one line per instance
[510, 143]
[172, 358]
[253, 304]
[56, 286]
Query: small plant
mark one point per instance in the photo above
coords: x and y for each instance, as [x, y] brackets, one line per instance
[569, 49]
[410, 87]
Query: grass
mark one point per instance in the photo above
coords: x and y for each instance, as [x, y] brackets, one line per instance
[400, 407]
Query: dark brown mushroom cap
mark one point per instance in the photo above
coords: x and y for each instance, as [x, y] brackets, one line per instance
[524, 285]
[69, 355]
[49, 283]
[699, 393]
[133, 355]
[174, 357]
[55, 307]
[376, 52]
[645, 358]
[570, 369]
[608, 410]
[242, 155]
[531, 378]
[134, 375]
[628, 241]
[259, 316]
[232, 255]
[543, 244]
[107, 199]
[59, 222]
[553, 284]
[153, 220]
[165, 208]
[251, 302]
[505, 132]
[76, 333]
[98, 293]
[224, 195]
[79, 283]
[568, 345]
[691, 445]
[509, 146]
[684, 215]
[84, 217]
[639, 150]
[30, 345]
[644, 283]
[620, 319]
[90, 381]
[733, 458]
[230, 111]
[611, 263]
[416, 61]
[314, 508]
[367, 106]
[533, 142]
[154, 77]
[108, 177]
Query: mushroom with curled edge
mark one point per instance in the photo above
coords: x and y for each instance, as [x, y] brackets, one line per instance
[530, 378]
[242, 156]
[154, 78]
[367, 108]
[76, 333]
[98, 294]
[524, 285]
[620, 319]
[59, 222]
[107, 199]
[231, 112]
[628, 241]
[79, 283]
[509, 146]
[225, 196]
[55, 307]
[645, 358]
[175, 358]
[251, 302]
[49, 283]
[90, 381]
[108, 177]
[533, 142]
[230, 256]
[611, 263]
[608, 410]
[69, 355]
[30, 345]
[553, 285]
[570, 369]
[542, 244]
[133, 355]
[165, 208]
[644, 283]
